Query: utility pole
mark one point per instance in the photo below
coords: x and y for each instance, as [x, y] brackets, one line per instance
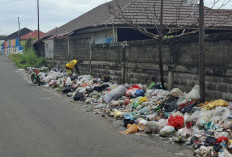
[201, 51]
[160, 44]
[19, 31]
[38, 27]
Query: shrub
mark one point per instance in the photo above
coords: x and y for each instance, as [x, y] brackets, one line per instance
[28, 59]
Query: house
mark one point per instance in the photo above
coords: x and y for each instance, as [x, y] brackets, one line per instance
[111, 22]
[18, 34]
[12, 44]
[107, 25]
[2, 40]
[30, 37]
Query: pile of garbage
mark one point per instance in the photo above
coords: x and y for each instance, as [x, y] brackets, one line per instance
[173, 114]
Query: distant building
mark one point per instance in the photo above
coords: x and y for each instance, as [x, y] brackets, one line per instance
[30, 38]
[11, 44]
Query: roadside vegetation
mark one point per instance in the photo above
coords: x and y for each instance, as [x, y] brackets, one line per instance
[28, 59]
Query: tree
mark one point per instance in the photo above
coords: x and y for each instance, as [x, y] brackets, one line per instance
[166, 19]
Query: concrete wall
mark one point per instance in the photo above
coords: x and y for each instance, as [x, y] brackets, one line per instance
[137, 62]
[49, 49]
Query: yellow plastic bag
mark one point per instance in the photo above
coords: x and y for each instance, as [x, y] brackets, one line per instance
[130, 129]
[216, 103]
[142, 99]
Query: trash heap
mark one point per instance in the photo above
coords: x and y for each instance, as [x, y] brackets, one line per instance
[173, 114]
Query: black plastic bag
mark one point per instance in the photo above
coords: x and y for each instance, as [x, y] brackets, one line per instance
[66, 90]
[79, 97]
[101, 88]
[74, 77]
[210, 141]
[170, 104]
[89, 90]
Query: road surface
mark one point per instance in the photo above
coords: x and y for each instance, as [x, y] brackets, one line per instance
[36, 122]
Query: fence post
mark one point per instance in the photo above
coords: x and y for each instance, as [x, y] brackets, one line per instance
[90, 55]
[124, 44]
[69, 56]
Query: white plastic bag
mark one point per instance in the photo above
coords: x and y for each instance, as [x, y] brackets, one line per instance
[68, 82]
[194, 94]
[220, 114]
[176, 92]
[152, 127]
[162, 123]
[167, 131]
[142, 124]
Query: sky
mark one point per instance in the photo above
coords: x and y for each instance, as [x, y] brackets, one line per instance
[53, 13]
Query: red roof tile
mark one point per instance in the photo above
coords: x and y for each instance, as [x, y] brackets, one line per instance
[32, 35]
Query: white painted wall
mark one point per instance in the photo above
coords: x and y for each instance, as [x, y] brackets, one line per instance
[101, 37]
[49, 49]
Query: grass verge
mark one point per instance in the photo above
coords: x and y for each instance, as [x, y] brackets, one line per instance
[28, 59]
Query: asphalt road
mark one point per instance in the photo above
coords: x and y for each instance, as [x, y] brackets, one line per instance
[36, 122]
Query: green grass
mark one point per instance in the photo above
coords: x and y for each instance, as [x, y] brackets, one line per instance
[28, 59]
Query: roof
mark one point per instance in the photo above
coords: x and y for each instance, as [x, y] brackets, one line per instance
[176, 13]
[2, 37]
[95, 17]
[44, 36]
[32, 35]
[17, 34]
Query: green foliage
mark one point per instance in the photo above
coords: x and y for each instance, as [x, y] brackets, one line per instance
[28, 59]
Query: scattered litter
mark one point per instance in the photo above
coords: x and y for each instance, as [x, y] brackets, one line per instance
[150, 109]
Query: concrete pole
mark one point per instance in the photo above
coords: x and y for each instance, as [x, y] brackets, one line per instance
[201, 51]
[38, 27]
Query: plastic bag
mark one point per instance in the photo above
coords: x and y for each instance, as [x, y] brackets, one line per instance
[139, 92]
[170, 104]
[216, 103]
[66, 90]
[116, 114]
[167, 131]
[194, 117]
[220, 115]
[162, 93]
[162, 123]
[184, 132]
[139, 101]
[68, 81]
[101, 88]
[53, 76]
[130, 129]
[176, 121]
[79, 97]
[176, 92]
[114, 94]
[132, 89]
[142, 124]
[194, 94]
[152, 127]
[45, 79]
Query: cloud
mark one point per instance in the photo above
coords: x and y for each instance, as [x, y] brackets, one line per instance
[53, 13]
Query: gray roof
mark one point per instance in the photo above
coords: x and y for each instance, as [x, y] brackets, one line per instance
[145, 12]
[95, 17]
[16, 34]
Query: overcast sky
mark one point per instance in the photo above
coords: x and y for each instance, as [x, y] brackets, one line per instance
[53, 13]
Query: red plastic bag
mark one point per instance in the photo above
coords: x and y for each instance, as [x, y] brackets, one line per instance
[222, 138]
[177, 122]
[132, 89]
[134, 86]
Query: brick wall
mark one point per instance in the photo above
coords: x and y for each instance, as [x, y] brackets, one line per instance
[137, 61]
